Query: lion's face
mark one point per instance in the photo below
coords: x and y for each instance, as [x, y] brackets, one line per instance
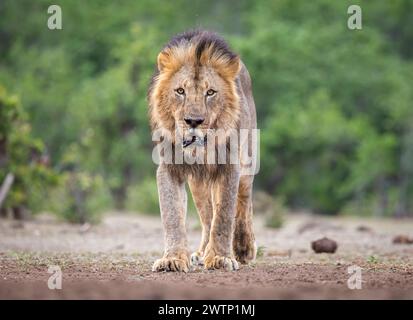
[195, 91]
[196, 102]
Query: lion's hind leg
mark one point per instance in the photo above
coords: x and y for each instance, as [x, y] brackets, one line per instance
[244, 240]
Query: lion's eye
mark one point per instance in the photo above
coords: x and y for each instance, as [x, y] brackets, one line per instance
[210, 92]
[180, 91]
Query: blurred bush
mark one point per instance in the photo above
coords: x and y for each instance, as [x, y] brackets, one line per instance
[80, 197]
[25, 158]
[334, 105]
[143, 197]
[273, 209]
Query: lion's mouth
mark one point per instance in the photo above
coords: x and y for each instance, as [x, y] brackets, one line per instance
[194, 140]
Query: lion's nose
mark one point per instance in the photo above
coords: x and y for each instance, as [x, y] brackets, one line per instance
[194, 122]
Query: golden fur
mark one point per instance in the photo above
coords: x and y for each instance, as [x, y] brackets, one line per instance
[196, 63]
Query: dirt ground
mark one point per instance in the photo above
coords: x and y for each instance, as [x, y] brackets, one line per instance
[113, 260]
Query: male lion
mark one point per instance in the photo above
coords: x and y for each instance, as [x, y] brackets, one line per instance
[201, 85]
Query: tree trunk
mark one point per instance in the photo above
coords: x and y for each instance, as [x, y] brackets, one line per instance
[5, 187]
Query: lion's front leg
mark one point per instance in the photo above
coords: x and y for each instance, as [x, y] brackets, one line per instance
[218, 253]
[172, 200]
[201, 193]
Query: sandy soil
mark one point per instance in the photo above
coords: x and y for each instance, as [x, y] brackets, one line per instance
[113, 261]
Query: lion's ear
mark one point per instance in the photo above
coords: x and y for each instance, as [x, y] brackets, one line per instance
[231, 68]
[163, 61]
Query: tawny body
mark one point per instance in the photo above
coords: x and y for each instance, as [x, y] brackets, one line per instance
[201, 84]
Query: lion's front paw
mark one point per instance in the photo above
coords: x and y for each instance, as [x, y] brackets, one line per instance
[197, 259]
[177, 264]
[220, 262]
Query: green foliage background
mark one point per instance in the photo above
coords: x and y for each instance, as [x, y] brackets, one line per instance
[334, 105]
